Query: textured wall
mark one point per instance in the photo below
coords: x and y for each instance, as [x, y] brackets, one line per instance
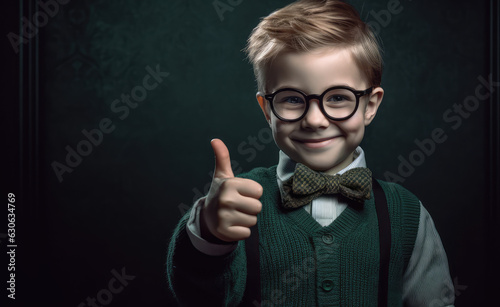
[116, 209]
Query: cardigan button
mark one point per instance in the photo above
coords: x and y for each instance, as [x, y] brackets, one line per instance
[328, 238]
[327, 285]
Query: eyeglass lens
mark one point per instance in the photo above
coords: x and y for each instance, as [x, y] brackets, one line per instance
[337, 103]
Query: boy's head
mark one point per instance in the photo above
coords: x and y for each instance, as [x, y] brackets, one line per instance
[313, 46]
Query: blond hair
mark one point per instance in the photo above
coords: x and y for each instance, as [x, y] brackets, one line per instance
[308, 25]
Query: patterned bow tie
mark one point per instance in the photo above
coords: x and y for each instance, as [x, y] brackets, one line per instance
[306, 185]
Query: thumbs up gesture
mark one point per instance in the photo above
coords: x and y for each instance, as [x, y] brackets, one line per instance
[232, 203]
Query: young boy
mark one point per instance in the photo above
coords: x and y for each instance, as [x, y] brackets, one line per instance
[318, 69]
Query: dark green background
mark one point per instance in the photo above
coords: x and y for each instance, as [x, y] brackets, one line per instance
[117, 208]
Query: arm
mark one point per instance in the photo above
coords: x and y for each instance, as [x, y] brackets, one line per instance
[197, 279]
[197, 275]
[427, 281]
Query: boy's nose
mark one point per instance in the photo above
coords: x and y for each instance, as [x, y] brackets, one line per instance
[314, 118]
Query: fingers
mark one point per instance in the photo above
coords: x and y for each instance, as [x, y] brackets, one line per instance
[235, 225]
[246, 205]
[245, 187]
[238, 233]
[232, 225]
[235, 233]
[222, 161]
[230, 218]
[236, 212]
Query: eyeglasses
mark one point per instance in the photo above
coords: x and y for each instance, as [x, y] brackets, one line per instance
[337, 103]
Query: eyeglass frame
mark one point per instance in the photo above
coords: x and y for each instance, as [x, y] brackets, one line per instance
[357, 94]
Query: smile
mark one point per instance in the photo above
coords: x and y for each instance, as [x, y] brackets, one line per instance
[316, 143]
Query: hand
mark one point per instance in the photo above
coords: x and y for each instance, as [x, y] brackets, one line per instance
[232, 203]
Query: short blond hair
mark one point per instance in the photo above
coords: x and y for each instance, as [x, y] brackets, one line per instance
[308, 25]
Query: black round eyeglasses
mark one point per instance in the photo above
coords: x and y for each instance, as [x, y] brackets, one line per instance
[337, 103]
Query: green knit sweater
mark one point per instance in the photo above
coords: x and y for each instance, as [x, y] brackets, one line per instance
[302, 263]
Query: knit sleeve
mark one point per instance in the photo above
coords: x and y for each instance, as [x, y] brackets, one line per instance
[197, 279]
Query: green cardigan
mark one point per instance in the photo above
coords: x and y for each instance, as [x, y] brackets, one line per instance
[302, 263]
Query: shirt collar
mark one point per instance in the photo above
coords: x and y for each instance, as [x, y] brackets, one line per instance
[286, 166]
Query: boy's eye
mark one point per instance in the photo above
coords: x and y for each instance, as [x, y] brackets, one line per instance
[293, 100]
[338, 98]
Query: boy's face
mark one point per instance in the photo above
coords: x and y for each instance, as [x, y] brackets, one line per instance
[316, 141]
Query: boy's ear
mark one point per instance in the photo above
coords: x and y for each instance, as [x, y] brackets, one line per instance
[263, 103]
[372, 105]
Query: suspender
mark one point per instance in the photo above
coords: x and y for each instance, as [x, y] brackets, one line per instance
[252, 296]
[252, 289]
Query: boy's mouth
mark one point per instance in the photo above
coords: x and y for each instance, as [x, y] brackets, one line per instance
[316, 143]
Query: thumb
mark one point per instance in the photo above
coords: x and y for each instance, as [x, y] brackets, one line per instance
[222, 161]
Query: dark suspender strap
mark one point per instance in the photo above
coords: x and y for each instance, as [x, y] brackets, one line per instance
[252, 289]
[384, 230]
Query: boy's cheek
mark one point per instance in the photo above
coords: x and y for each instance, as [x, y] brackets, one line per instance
[279, 127]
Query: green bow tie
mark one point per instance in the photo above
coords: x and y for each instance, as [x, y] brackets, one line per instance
[306, 185]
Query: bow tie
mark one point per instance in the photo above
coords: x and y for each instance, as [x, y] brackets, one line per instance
[306, 185]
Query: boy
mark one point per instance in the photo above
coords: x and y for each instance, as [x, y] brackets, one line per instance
[318, 70]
